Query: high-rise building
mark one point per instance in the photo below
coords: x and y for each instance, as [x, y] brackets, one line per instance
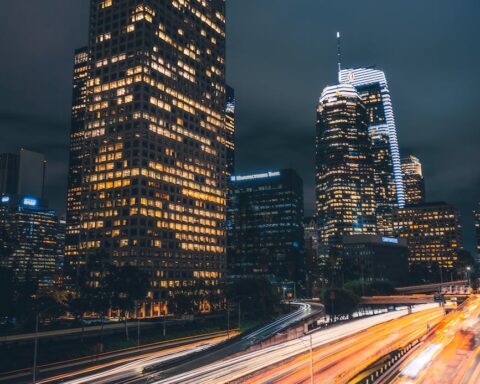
[81, 77]
[154, 155]
[414, 184]
[476, 214]
[374, 257]
[313, 257]
[267, 225]
[345, 185]
[230, 130]
[371, 84]
[23, 173]
[30, 239]
[433, 233]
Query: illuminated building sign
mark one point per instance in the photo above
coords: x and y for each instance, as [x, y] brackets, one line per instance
[390, 240]
[256, 176]
[5, 199]
[30, 202]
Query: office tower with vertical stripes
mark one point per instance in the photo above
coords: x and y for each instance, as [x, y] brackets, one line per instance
[153, 144]
[345, 184]
[372, 87]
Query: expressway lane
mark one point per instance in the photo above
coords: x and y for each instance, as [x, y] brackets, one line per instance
[76, 368]
[451, 354]
[340, 361]
[238, 368]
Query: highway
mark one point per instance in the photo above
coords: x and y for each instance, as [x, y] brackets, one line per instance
[99, 364]
[249, 367]
[147, 362]
[451, 354]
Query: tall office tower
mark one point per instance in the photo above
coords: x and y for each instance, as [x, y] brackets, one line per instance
[433, 232]
[22, 173]
[476, 213]
[29, 239]
[372, 87]
[154, 158]
[81, 77]
[267, 225]
[345, 185]
[313, 260]
[230, 130]
[414, 184]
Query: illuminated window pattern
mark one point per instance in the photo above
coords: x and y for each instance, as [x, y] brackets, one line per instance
[414, 184]
[345, 188]
[372, 87]
[433, 232]
[154, 158]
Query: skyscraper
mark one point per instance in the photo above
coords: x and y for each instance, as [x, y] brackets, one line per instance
[267, 225]
[414, 184]
[345, 184]
[30, 239]
[154, 155]
[433, 232]
[476, 214]
[23, 173]
[372, 87]
[81, 77]
[230, 130]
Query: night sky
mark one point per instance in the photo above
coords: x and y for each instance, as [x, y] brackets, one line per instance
[280, 55]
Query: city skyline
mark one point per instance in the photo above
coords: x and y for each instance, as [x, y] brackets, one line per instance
[286, 134]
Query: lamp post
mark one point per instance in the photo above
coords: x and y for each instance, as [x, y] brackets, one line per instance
[35, 348]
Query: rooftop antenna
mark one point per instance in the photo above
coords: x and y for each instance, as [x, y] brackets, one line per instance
[339, 55]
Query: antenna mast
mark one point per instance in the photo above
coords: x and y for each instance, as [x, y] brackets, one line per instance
[339, 55]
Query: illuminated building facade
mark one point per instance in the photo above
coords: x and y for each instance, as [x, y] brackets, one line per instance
[230, 130]
[81, 77]
[30, 239]
[371, 85]
[267, 225]
[374, 258]
[433, 233]
[313, 257]
[154, 142]
[414, 184]
[345, 184]
[23, 173]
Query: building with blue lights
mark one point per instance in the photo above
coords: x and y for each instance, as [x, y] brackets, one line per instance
[31, 239]
[372, 87]
[344, 172]
[266, 226]
[375, 258]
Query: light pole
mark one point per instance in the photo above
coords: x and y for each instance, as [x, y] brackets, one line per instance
[35, 348]
[311, 360]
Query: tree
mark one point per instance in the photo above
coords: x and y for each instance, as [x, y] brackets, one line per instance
[340, 302]
[125, 286]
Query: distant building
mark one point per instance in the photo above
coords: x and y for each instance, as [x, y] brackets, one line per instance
[372, 87]
[477, 231]
[414, 184]
[230, 130]
[433, 233]
[344, 172]
[22, 173]
[374, 257]
[30, 239]
[267, 225]
[313, 256]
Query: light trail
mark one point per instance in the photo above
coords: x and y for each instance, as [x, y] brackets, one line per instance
[238, 367]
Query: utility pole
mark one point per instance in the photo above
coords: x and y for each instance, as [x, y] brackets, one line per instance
[138, 325]
[35, 350]
[311, 360]
[239, 315]
[228, 321]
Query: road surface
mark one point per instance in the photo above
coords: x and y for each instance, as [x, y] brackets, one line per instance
[239, 368]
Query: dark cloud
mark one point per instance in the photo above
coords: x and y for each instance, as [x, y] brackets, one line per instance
[281, 53]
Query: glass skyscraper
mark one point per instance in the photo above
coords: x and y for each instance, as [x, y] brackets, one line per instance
[414, 184]
[371, 84]
[151, 144]
[345, 185]
[267, 225]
